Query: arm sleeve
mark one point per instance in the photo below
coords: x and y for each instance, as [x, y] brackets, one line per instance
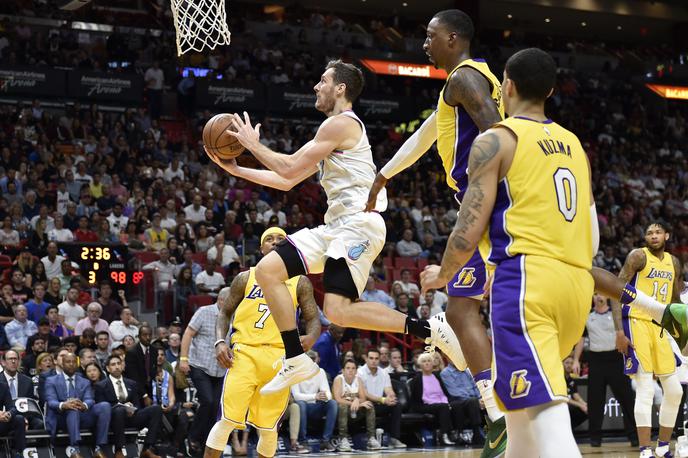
[412, 149]
[595, 226]
[300, 395]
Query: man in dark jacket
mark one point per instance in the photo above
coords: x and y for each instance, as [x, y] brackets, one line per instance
[12, 421]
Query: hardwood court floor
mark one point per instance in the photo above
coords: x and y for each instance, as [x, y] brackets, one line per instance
[611, 450]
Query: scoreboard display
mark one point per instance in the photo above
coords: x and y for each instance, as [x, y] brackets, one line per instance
[102, 261]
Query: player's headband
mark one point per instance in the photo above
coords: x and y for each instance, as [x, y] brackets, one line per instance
[272, 231]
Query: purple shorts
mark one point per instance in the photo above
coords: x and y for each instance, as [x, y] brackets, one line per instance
[470, 280]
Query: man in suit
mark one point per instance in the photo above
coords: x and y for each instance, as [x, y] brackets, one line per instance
[71, 404]
[125, 397]
[58, 354]
[17, 385]
[12, 421]
[139, 361]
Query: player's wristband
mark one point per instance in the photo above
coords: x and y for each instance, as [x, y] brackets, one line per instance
[183, 358]
[218, 342]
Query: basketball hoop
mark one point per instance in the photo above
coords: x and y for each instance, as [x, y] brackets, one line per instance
[200, 24]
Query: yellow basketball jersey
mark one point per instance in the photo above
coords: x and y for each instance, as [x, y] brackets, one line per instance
[656, 280]
[543, 203]
[456, 130]
[252, 323]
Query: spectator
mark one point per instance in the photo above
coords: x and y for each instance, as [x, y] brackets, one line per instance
[174, 345]
[36, 307]
[38, 241]
[128, 409]
[407, 247]
[111, 308]
[52, 261]
[407, 285]
[53, 295]
[140, 360]
[50, 340]
[11, 421]
[204, 241]
[428, 395]
[60, 233]
[155, 236]
[437, 300]
[155, 82]
[578, 408]
[184, 288]
[197, 356]
[71, 404]
[9, 238]
[70, 311]
[93, 374]
[349, 392]
[36, 345]
[378, 387]
[92, 320]
[20, 329]
[424, 312]
[163, 394]
[464, 399]
[315, 401]
[276, 209]
[118, 222]
[102, 348]
[38, 274]
[176, 252]
[327, 347]
[404, 305]
[221, 253]
[66, 276]
[86, 356]
[372, 294]
[187, 261]
[210, 282]
[57, 329]
[20, 293]
[395, 363]
[195, 213]
[163, 269]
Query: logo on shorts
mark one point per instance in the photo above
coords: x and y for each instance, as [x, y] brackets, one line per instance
[520, 387]
[356, 251]
[629, 364]
[465, 279]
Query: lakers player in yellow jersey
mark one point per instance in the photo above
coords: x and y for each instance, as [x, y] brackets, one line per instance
[648, 351]
[255, 344]
[470, 102]
[529, 199]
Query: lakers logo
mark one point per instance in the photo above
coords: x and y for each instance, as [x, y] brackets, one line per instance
[629, 363]
[520, 387]
[356, 251]
[465, 279]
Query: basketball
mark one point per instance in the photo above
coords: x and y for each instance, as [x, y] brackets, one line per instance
[218, 141]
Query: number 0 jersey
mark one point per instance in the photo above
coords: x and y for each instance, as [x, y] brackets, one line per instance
[252, 323]
[656, 279]
[542, 207]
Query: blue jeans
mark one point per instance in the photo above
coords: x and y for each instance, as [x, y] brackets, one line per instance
[315, 411]
[98, 416]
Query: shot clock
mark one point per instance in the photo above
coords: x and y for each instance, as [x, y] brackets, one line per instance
[102, 261]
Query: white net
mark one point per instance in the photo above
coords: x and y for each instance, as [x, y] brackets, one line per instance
[200, 24]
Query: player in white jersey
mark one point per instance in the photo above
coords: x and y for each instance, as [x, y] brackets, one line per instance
[345, 247]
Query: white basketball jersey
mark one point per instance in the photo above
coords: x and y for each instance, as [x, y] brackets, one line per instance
[347, 176]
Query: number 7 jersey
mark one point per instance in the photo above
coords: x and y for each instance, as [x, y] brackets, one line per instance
[542, 207]
[252, 323]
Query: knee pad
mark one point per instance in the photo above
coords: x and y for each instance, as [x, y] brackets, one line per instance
[644, 392]
[671, 401]
[218, 436]
[267, 443]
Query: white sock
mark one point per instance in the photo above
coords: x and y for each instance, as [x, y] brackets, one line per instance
[485, 388]
[551, 425]
[645, 303]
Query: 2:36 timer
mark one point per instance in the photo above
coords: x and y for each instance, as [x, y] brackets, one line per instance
[97, 255]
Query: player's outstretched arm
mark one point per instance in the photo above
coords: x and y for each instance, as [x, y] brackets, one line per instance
[486, 162]
[408, 154]
[468, 88]
[331, 134]
[309, 310]
[227, 308]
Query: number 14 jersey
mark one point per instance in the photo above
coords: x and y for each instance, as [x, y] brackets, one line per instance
[252, 323]
[542, 206]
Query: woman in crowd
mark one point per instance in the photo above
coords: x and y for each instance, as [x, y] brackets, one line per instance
[184, 288]
[104, 234]
[38, 274]
[93, 373]
[183, 237]
[176, 252]
[203, 239]
[52, 294]
[129, 342]
[38, 241]
[349, 392]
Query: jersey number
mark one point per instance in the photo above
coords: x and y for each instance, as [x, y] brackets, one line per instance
[663, 291]
[263, 308]
[565, 187]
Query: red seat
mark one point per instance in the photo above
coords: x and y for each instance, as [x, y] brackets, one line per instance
[146, 257]
[383, 286]
[199, 258]
[422, 263]
[404, 263]
[388, 261]
[5, 261]
[194, 302]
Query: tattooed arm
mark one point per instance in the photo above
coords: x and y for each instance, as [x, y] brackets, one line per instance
[468, 88]
[236, 295]
[309, 309]
[635, 262]
[490, 156]
[678, 282]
